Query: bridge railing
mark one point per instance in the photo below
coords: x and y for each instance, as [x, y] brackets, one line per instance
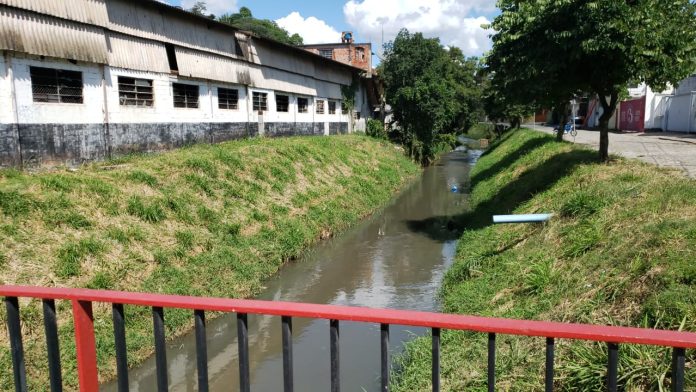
[82, 300]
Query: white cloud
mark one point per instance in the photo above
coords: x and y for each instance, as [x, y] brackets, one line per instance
[455, 22]
[311, 29]
[216, 7]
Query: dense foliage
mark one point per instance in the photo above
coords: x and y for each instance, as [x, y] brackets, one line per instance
[544, 52]
[266, 28]
[432, 91]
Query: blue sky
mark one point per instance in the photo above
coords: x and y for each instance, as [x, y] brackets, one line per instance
[455, 22]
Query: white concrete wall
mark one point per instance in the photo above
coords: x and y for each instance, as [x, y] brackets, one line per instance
[6, 104]
[30, 112]
[681, 113]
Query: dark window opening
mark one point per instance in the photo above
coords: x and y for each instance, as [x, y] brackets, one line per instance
[344, 108]
[360, 53]
[56, 85]
[302, 105]
[328, 53]
[228, 98]
[171, 57]
[282, 103]
[332, 107]
[135, 92]
[260, 101]
[185, 95]
[320, 106]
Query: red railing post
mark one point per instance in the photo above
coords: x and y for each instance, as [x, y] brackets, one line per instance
[86, 346]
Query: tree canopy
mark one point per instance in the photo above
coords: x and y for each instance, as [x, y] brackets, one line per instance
[546, 51]
[244, 20]
[432, 91]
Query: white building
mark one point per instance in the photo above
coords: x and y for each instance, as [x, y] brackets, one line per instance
[83, 80]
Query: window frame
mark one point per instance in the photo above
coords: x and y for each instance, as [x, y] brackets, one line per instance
[59, 77]
[319, 105]
[228, 105]
[323, 53]
[287, 103]
[256, 106]
[121, 81]
[306, 106]
[344, 108]
[332, 107]
[186, 87]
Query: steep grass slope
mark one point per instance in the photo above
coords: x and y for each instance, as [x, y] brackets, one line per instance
[621, 250]
[213, 220]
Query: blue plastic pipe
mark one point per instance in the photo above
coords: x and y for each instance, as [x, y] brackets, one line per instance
[521, 218]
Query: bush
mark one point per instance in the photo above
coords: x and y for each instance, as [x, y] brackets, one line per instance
[375, 129]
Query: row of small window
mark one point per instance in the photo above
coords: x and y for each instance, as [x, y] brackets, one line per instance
[61, 86]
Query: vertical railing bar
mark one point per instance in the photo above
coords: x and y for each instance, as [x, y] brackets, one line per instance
[550, 352]
[384, 338]
[119, 320]
[678, 362]
[288, 384]
[243, 347]
[52, 345]
[491, 362]
[14, 328]
[435, 372]
[335, 365]
[201, 350]
[160, 349]
[612, 367]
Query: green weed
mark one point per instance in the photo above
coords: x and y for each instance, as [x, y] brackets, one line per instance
[151, 211]
[71, 255]
[142, 177]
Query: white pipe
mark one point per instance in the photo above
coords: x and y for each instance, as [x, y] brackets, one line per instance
[521, 218]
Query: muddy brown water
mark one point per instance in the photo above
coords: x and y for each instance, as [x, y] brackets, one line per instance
[394, 259]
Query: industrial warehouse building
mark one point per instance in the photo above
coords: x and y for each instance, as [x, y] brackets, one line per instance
[85, 80]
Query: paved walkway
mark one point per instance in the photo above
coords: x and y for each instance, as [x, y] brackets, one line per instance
[668, 149]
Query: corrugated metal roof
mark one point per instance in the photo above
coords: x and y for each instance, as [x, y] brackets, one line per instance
[86, 11]
[136, 53]
[198, 64]
[131, 18]
[28, 32]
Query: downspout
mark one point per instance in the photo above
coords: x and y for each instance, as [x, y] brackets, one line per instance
[15, 110]
[691, 111]
[107, 134]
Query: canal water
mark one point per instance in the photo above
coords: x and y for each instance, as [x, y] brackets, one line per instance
[394, 259]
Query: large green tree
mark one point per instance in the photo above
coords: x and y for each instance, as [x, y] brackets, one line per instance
[431, 90]
[244, 20]
[548, 50]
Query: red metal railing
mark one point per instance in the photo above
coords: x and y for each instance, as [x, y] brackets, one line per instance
[82, 300]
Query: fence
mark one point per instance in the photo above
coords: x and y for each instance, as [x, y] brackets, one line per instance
[82, 300]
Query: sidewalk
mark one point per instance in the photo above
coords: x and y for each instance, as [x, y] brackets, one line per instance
[667, 149]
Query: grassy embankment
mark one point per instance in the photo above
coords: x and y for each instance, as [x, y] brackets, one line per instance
[621, 250]
[205, 220]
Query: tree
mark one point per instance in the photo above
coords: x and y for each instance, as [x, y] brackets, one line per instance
[547, 51]
[200, 8]
[244, 20]
[431, 90]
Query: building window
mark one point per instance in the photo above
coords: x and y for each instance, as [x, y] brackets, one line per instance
[185, 95]
[328, 53]
[282, 103]
[344, 108]
[332, 107]
[302, 105]
[135, 92]
[360, 54]
[260, 101]
[171, 58]
[56, 85]
[228, 98]
[320, 106]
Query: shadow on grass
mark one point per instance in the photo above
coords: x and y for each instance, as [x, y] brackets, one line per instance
[509, 159]
[507, 199]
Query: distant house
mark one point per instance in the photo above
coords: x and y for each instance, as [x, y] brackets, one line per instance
[84, 80]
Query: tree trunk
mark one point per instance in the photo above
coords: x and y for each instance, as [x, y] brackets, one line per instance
[608, 111]
[562, 119]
